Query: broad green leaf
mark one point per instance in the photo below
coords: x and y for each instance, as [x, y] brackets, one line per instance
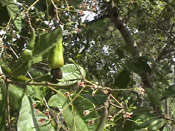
[3, 115]
[3, 14]
[120, 53]
[7, 72]
[14, 13]
[73, 114]
[21, 69]
[169, 92]
[42, 78]
[3, 111]
[142, 119]
[76, 3]
[16, 94]
[27, 2]
[122, 79]
[156, 124]
[139, 66]
[36, 91]
[31, 119]
[71, 74]
[153, 96]
[99, 25]
[46, 42]
[98, 99]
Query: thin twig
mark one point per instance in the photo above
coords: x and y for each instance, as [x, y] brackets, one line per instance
[56, 10]
[115, 100]
[50, 85]
[52, 114]
[71, 101]
[32, 5]
[8, 106]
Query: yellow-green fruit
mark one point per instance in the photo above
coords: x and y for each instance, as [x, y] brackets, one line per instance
[56, 59]
[32, 40]
[27, 54]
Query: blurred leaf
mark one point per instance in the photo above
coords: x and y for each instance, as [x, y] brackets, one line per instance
[14, 13]
[123, 78]
[7, 72]
[153, 96]
[71, 74]
[73, 114]
[169, 92]
[139, 66]
[31, 119]
[144, 119]
[16, 94]
[3, 111]
[99, 25]
[36, 91]
[120, 53]
[45, 77]
[76, 3]
[27, 2]
[3, 14]
[156, 124]
[20, 68]
[98, 99]
[46, 42]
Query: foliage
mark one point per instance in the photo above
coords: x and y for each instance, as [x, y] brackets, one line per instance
[119, 65]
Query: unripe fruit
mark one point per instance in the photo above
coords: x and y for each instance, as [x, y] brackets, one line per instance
[27, 54]
[56, 59]
[32, 40]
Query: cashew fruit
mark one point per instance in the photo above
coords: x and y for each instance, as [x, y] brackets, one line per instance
[32, 40]
[27, 54]
[56, 59]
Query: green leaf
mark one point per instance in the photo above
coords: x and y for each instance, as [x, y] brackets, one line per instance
[156, 124]
[98, 99]
[30, 119]
[21, 68]
[99, 25]
[36, 91]
[71, 74]
[16, 94]
[122, 79]
[169, 92]
[120, 53]
[45, 77]
[3, 111]
[46, 42]
[3, 14]
[73, 114]
[153, 96]
[7, 72]
[139, 66]
[76, 3]
[14, 13]
[142, 118]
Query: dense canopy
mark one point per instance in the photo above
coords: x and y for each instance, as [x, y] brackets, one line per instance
[91, 65]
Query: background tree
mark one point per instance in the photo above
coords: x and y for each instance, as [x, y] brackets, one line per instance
[118, 72]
